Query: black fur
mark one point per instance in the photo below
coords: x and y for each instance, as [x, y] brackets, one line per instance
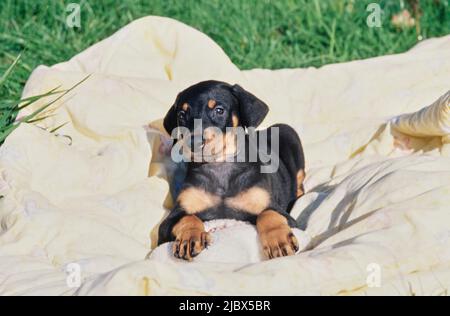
[227, 179]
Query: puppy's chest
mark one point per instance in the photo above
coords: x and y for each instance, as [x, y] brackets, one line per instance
[225, 188]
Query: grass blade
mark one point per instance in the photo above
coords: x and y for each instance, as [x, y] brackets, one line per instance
[20, 105]
[34, 120]
[36, 112]
[30, 118]
[15, 105]
[9, 70]
[57, 127]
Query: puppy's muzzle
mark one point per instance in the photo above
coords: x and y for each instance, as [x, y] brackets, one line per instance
[197, 142]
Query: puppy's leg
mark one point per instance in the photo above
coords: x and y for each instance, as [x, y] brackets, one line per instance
[275, 234]
[187, 232]
[190, 237]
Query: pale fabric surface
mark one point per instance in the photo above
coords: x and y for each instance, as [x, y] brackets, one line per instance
[378, 185]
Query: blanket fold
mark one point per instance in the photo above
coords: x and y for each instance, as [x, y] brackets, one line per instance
[80, 216]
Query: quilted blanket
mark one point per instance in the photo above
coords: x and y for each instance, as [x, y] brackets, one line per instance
[80, 207]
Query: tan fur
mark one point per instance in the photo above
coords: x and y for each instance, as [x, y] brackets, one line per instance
[189, 222]
[254, 200]
[211, 104]
[209, 134]
[219, 147]
[194, 200]
[275, 235]
[300, 179]
[235, 120]
[230, 145]
[190, 237]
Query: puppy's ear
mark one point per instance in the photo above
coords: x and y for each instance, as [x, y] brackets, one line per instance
[251, 109]
[170, 120]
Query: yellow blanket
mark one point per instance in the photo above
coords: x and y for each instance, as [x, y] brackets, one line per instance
[78, 208]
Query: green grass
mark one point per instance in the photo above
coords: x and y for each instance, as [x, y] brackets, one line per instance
[10, 108]
[254, 33]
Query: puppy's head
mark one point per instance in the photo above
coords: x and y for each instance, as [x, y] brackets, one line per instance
[221, 109]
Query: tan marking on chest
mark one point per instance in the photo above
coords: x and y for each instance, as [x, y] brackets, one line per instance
[254, 200]
[194, 200]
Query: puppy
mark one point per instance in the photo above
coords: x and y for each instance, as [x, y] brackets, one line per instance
[225, 180]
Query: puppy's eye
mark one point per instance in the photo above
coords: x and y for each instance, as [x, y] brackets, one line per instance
[219, 110]
[181, 115]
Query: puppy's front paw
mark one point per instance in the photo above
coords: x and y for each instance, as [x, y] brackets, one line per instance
[276, 236]
[190, 243]
[278, 242]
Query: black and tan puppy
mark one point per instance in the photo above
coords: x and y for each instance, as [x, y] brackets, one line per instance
[219, 187]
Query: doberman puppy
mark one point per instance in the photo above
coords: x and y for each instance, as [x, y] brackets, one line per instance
[219, 185]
